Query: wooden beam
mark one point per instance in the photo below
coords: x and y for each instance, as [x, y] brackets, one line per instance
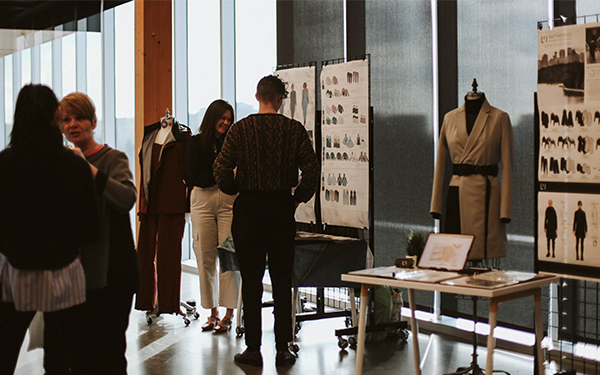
[153, 71]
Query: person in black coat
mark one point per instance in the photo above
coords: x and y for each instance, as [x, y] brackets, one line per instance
[550, 227]
[48, 212]
[579, 229]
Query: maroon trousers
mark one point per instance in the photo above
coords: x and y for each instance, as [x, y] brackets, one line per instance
[159, 256]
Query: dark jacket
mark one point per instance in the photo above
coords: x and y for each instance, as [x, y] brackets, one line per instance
[164, 190]
[580, 224]
[47, 207]
[200, 161]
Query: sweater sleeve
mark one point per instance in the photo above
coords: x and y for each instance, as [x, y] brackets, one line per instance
[117, 185]
[309, 165]
[226, 162]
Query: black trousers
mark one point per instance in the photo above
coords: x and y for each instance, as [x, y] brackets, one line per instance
[102, 322]
[579, 240]
[59, 331]
[263, 225]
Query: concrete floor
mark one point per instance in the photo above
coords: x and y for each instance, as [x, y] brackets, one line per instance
[167, 347]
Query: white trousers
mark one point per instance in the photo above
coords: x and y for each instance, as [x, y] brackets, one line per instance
[212, 213]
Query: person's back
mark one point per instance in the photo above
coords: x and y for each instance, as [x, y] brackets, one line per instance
[269, 148]
[44, 203]
[260, 158]
[47, 211]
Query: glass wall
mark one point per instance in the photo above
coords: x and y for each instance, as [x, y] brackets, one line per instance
[255, 50]
[204, 58]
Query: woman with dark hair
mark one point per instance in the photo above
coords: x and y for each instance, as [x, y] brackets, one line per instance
[211, 212]
[47, 210]
[110, 262]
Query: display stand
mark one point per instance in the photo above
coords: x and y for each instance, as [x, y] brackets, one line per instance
[567, 174]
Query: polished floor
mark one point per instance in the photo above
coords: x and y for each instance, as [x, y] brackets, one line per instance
[168, 347]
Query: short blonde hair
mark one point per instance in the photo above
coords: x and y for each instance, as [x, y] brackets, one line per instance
[79, 104]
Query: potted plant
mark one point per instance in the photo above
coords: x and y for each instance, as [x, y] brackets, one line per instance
[415, 243]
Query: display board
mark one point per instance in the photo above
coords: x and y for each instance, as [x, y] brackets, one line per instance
[568, 150]
[345, 166]
[300, 106]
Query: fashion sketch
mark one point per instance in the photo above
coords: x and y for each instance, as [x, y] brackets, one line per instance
[292, 101]
[304, 102]
[550, 227]
[579, 230]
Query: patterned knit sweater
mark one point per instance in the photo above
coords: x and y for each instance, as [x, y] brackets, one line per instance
[267, 150]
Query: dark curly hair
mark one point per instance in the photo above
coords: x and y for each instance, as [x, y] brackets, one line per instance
[270, 87]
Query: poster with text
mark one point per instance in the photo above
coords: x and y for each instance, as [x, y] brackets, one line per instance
[300, 106]
[569, 104]
[569, 228]
[345, 155]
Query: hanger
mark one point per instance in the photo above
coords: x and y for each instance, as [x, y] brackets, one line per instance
[473, 95]
[167, 119]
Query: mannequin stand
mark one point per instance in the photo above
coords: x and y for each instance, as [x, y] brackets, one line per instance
[474, 368]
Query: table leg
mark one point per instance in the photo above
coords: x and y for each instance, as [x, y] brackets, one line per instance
[362, 326]
[539, 330]
[491, 341]
[415, 331]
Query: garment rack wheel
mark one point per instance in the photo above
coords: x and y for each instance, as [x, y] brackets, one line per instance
[190, 308]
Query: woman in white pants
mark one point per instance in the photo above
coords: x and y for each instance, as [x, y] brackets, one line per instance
[211, 212]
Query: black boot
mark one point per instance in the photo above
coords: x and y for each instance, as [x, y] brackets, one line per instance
[249, 357]
[284, 358]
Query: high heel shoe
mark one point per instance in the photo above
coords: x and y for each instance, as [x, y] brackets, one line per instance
[210, 323]
[223, 326]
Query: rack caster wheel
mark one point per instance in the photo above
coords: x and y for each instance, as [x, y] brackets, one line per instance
[196, 315]
[352, 341]
[294, 348]
[186, 321]
[348, 322]
[239, 331]
[342, 343]
[148, 319]
[297, 327]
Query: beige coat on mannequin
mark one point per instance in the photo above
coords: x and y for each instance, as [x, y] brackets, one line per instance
[490, 143]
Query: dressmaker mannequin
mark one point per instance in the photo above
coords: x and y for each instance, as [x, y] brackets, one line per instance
[166, 123]
[163, 204]
[478, 139]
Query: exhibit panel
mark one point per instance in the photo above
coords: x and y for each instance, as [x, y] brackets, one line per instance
[345, 144]
[300, 106]
[569, 104]
[568, 142]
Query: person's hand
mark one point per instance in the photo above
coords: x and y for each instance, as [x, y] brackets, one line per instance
[76, 150]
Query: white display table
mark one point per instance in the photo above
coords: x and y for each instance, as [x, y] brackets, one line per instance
[383, 276]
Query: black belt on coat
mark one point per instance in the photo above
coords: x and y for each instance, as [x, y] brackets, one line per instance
[469, 170]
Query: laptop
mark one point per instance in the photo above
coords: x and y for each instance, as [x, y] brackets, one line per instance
[446, 251]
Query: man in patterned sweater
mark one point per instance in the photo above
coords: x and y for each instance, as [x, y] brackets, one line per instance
[260, 159]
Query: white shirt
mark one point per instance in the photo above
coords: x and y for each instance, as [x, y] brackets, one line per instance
[42, 290]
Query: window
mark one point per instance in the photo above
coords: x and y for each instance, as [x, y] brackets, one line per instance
[204, 58]
[255, 50]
